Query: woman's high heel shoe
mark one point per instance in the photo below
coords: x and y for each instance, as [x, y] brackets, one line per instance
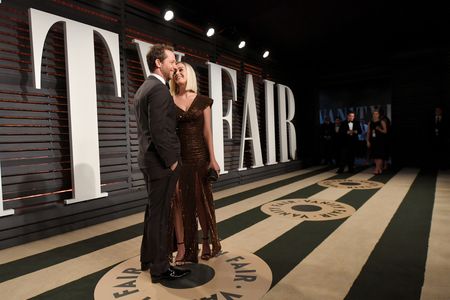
[206, 255]
[216, 250]
[180, 261]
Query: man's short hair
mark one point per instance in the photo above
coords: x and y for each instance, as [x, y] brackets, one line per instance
[158, 51]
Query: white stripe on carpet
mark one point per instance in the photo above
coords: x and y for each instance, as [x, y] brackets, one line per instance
[437, 271]
[330, 270]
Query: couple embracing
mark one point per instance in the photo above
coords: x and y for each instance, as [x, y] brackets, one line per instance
[175, 155]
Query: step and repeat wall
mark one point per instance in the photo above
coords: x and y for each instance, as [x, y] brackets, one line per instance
[68, 138]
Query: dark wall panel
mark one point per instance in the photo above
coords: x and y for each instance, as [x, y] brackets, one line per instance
[34, 124]
[418, 80]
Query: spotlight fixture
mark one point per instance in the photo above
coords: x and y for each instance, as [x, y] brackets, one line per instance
[168, 15]
[241, 44]
[266, 54]
[210, 32]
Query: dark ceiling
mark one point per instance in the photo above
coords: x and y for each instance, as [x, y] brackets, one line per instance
[319, 32]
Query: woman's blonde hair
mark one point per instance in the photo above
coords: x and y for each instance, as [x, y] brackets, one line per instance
[191, 80]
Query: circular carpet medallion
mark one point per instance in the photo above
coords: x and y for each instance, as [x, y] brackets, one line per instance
[233, 274]
[308, 209]
[353, 184]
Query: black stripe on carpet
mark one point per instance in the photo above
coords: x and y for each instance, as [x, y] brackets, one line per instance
[82, 288]
[365, 194]
[396, 267]
[52, 257]
[315, 188]
[236, 224]
[253, 192]
[226, 228]
[288, 250]
[42, 260]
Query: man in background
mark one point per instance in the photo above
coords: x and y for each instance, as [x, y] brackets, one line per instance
[440, 139]
[348, 132]
[326, 143]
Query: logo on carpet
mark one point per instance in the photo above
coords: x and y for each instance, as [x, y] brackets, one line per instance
[308, 209]
[353, 184]
[234, 274]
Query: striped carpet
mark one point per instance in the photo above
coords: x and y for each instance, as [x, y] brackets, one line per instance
[287, 237]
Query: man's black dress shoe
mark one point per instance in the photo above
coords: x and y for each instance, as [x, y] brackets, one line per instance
[145, 266]
[171, 274]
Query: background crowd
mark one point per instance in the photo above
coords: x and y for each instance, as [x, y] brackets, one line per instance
[367, 142]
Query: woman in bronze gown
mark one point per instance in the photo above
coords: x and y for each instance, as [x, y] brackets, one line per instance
[194, 196]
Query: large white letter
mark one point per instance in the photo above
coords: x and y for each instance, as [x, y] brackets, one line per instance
[81, 94]
[7, 212]
[389, 111]
[215, 92]
[283, 121]
[250, 111]
[270, 124]
[143, 48]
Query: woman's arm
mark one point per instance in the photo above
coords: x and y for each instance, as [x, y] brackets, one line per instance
[207, 134]
[383, 127]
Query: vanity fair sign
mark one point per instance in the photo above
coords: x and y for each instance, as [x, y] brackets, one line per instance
[82, 103]
[288, 146]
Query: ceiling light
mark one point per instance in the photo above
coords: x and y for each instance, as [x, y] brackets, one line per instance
[266, 54]
[241, 44]
[168, 15]
[210, 32]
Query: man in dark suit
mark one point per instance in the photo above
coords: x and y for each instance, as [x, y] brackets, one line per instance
[158, 158]
[336, 138]
[440, 139]
[349, 131]
[326, 131]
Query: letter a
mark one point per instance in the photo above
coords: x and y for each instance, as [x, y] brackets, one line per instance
[251, 117]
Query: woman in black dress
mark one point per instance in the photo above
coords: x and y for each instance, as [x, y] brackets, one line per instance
[377, 141]
[194, 196]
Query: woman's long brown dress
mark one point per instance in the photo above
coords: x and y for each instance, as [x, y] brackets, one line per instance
[194, 190]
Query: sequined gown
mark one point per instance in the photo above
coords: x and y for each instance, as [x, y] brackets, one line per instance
[195, 195]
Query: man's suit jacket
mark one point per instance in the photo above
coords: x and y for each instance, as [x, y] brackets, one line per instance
[346, 138]
[441, 129]
[326, 131]
[159, 146]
